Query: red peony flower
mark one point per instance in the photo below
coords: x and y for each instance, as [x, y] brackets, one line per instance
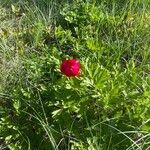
[70, 67]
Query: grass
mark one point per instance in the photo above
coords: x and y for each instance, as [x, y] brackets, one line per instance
[106, 107]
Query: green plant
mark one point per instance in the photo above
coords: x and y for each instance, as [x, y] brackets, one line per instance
[106, 106]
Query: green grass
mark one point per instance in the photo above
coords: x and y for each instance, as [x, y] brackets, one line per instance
[106, 107]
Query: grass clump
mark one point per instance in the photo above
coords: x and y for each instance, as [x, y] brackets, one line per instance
[106, 107]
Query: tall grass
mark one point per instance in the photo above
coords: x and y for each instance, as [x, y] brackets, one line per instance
[106, 107]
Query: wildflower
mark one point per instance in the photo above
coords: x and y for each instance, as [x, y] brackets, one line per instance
[70, 67]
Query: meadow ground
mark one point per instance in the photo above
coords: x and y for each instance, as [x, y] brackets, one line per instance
[105, 107]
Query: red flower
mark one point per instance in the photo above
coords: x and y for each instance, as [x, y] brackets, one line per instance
[70, 67]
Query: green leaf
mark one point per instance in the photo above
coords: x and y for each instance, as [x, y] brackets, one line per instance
[56, 113]
[13, 8]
